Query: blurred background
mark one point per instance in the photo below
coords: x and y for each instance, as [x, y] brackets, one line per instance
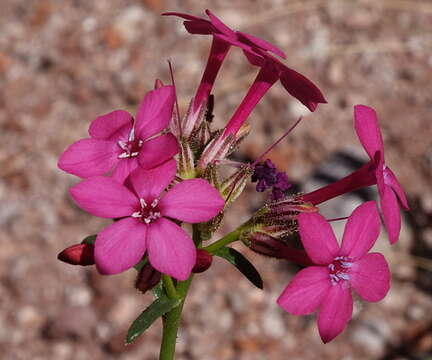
[62, 63]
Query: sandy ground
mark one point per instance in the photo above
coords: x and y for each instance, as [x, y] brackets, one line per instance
[62, 63]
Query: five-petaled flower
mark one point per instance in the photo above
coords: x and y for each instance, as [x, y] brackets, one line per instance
[117, 141]
[146, 212]
[368, 131]
[327, 285]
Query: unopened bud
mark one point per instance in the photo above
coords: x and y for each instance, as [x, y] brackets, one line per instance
[203, 261]
[148, 277]
[158, 84]
[233, 186]
[79, 254]
[267, 245]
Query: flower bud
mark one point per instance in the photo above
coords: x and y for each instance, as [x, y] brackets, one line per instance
[78, 254]
[234, 185]
[158, 84]
[148, 277]
[203, 261]
[267, 245]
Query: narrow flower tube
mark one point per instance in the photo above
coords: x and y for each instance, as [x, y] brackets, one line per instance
[265, 79]
[218, 52]
[363, 177]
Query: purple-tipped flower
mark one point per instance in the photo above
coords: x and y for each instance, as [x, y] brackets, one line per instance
[118, 142]
[327, 285]
[146, 212]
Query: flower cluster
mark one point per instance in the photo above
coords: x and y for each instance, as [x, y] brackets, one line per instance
[159, 171]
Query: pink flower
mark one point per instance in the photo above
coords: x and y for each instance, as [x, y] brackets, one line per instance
[257, 51]
[368, 131]
[327, 285]
[146, 212]
[117, 141]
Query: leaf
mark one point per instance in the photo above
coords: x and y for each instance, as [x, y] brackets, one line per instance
[156, 309]
[90, 240]
[242, 264]
[158, 290]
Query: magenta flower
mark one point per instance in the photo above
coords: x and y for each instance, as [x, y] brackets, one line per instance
[120, 143]
[220, 47]
[368, 131]
[146, 212]
[257, 51]
[327, 285]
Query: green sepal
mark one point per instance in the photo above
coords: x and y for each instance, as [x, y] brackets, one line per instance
[242, 264]
[90, 240]
[156, 309]
[141, 264]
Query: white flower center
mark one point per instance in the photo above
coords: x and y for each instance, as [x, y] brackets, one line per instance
[148, 213]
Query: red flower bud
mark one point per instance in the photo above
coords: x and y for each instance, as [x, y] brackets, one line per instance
[158, 84]
[203, 261]
[148, 277]
[78, 254]
[267, 245]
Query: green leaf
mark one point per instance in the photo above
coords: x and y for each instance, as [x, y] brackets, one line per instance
[158, 290]
[90, 240]
[242, 264]
[157, 308]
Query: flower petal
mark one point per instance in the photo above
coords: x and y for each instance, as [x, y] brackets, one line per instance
[305, 292]
[318, 238]
[261, 43]
[193, 201]
[89, 157]
[370, 277]
[391, 212]
[148, 184]
[335, 312]
[155, 112]
[301, 88]
[124, 169]
[157, 150]
[390, 179]
[120, 246]
[104, 197]
[368, 130]
[219, 25]
[201, 27]
[171, 250]
[361, 231]
[111, 126]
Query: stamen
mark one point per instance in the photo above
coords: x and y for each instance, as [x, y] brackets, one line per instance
[260, 157]
[337, 219]
[143, 203]
[124, 155]
[175, 95]
[136, 214]
[154, 203]
[132, 135]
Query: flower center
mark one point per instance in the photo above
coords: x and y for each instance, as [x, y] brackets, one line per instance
[148, 213]
[338, 269]
[131, 147]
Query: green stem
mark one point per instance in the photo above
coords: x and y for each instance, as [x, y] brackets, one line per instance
[171, 322]
[228, 239]
[169, 286]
